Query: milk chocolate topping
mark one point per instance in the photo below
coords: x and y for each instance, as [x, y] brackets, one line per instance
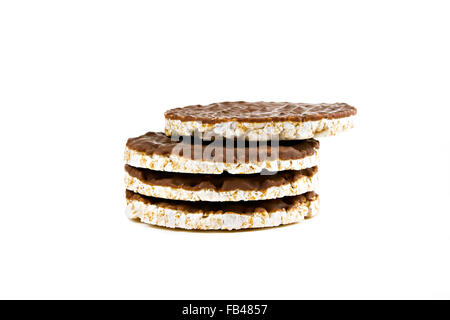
[242, 207]
[242, 111]
[158, 143]
[221, 182]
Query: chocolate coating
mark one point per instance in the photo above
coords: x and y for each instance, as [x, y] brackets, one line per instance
[158, 143]
[241, 207]
[221, 182]
[242, 111]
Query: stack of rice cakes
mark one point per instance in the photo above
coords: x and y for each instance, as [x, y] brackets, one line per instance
[231, 165]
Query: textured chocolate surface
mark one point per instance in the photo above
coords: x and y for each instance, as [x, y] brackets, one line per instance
[242, 207]
[221, 182]
[242, 111]
[158, 143]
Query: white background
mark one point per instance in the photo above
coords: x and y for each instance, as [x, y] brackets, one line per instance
[77, 78]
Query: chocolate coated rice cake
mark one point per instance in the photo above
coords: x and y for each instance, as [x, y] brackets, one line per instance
[220, 215]
[156, 151]
[223, 187]
[260, 120]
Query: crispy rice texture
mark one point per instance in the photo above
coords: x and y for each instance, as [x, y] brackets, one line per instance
[171, 218]
[176, 163]
[283, 130]
[300, 186]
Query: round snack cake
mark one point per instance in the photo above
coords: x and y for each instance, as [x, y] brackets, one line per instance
[222, 187]
[260, 120]
[156, 151]
[221, 215]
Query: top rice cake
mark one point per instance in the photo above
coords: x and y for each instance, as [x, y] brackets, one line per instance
[260, 120]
